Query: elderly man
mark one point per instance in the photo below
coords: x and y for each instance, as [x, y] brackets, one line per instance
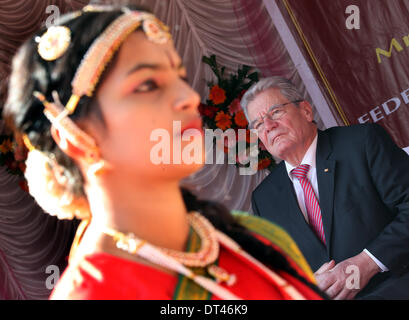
[342, 194]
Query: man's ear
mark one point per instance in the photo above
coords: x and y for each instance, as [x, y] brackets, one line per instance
[66, 145]
[306, 109]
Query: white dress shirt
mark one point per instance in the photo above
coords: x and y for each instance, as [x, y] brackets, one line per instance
[310, 159]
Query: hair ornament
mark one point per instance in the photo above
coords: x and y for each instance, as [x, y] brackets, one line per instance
[27, 143]
[58, 116]
[54, 42]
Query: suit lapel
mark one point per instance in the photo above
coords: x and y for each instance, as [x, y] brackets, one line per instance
[294, 219]
[325, 178]
[294, 210]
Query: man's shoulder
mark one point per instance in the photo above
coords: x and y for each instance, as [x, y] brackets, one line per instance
[350, 136]
[362, 129]
[355, 129]
[272, 180]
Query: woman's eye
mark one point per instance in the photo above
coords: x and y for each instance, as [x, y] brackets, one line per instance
[147, 86]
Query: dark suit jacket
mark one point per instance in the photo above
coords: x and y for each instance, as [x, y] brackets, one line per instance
[364, 200]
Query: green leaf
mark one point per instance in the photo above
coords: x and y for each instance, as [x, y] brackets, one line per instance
[253, 76]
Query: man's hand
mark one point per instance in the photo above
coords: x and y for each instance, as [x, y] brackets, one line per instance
[332, 279]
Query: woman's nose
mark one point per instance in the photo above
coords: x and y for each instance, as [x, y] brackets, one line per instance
[186, 99]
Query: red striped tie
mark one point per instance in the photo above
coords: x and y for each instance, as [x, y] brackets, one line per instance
[311, 202]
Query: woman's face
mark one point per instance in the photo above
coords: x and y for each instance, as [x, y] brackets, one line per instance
[144, 91]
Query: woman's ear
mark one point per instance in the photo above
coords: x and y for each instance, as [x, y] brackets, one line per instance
[66, 145]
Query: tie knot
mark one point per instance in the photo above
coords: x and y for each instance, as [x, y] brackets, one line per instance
[301, 171]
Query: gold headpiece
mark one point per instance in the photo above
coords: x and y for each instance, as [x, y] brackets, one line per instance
[56, 40]
[104, 47]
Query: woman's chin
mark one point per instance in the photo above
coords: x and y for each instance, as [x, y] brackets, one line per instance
[177, 171]
[189, 169]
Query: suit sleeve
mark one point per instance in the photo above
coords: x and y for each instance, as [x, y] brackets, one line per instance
[389, 168]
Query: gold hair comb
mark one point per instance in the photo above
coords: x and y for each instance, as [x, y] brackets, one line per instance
[58, 116]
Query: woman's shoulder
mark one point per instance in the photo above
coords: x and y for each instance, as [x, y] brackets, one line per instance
[102, 276]
[277, 237]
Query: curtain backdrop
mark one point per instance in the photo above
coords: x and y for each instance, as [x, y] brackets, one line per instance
[30, 240]
[237, 32]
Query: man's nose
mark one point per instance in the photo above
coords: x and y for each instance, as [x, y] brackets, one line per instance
[270, 124]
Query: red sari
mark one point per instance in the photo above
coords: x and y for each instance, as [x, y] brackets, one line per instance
[104, 276]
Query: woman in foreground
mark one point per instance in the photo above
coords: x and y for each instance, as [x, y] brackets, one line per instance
[85, 97]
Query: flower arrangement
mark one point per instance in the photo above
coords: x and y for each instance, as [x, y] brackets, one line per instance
[223, 111]
[13, 157]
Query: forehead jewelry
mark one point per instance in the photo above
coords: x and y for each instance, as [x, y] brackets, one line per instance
[55, 42]
[104, 47]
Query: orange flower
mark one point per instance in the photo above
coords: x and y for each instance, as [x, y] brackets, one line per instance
[264, 163]
[240, 119]
[217, 95]
[223, 120]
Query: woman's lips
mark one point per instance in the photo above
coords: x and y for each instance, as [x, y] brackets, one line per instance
[194, 124]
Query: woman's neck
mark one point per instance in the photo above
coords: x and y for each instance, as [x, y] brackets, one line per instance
[154, 212]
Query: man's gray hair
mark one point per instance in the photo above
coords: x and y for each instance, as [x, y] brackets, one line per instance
[286, 87]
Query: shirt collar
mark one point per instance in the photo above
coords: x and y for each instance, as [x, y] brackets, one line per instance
[309, 157]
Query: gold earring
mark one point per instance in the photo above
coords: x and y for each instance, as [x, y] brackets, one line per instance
[98, 168]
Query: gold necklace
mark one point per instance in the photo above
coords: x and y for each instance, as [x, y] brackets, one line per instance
[173, 259]
[209, 245]
[205, 257]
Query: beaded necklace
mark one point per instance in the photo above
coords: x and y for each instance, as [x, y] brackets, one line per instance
[178, 261]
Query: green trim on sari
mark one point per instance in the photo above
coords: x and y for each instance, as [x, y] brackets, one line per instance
[276, 235]
[187, 289]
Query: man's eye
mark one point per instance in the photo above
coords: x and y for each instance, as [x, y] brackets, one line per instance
[257, 125]
[147, 86]
[276, 113]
